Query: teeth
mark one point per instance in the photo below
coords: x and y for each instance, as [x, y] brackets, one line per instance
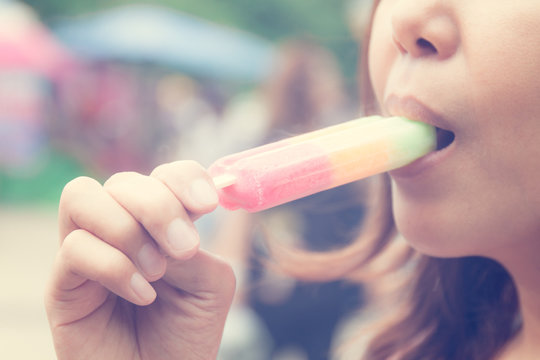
[444, 138]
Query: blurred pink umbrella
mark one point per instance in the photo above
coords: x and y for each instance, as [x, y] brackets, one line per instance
[26, 44]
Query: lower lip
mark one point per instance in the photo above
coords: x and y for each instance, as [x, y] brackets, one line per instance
[423, 164]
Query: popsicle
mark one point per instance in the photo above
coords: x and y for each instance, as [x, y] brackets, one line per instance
[289, 169]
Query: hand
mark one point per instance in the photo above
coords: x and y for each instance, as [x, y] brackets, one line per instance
[130, 281]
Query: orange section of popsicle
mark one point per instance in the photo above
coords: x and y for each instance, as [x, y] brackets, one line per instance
[348, 167]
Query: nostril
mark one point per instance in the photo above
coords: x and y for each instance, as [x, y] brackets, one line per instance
[426, 46]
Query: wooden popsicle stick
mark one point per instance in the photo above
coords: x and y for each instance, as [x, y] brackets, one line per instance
[224, 180]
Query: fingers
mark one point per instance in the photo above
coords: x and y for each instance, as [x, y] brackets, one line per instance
[156, 208]
[119, 234]
[85, 205]
[83, 257]
[164, 201]
[191, 184]
[85, 272]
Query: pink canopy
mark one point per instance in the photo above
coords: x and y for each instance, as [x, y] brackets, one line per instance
[26, 44]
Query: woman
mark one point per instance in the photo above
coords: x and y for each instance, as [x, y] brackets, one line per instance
[468, 211]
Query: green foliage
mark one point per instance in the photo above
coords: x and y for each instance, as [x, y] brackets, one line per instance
[272, 19]
[324, 20]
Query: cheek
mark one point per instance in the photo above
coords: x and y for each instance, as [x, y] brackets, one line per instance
[512, 75]
[381, 53]
[504, 85]
[504, 61]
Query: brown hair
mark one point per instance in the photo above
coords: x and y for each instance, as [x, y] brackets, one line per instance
[305, 83]
[456, 308]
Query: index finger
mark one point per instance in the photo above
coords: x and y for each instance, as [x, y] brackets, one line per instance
[191, 184]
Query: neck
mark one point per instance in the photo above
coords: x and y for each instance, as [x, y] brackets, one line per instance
[522, 263]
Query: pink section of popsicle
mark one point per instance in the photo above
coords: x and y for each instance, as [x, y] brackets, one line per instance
[267, 181]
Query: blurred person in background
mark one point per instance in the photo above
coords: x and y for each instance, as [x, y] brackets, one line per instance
[109, 111]
[305, 91]
[192, 118]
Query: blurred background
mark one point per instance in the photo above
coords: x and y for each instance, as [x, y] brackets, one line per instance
[97, 87]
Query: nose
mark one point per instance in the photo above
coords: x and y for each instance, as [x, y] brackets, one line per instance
[424, 28]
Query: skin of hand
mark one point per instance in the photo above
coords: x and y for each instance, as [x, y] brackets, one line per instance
[130, 281]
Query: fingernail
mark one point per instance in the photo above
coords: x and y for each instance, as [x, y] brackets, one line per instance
[181, 236]
[142, 288]
[151, 261]
[203, 193]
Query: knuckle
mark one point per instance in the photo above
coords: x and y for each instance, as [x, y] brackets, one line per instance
[124, 232]
[192, 165]
[176, 169]
[228, 279]
[75, 194]
[70, 245]
[225, 283]
[119, 179]
[152, 215]
[146, 198]
[161, 171]
[110, 264]
[77, 186]
[194, 168]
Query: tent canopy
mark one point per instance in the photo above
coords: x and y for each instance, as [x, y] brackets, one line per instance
[144, 33]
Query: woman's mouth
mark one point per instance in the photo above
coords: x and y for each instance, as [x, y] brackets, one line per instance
[444, 147]
[412, 108]
[444, 138]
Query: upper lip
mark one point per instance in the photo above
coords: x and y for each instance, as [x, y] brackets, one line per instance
[412, 108]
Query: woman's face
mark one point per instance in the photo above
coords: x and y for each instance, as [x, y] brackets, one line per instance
[472, 68]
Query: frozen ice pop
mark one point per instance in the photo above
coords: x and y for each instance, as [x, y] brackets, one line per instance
[286, 170]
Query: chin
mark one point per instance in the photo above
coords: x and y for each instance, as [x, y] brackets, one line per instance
[431, 247]
[425, 242]
[430, 231]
